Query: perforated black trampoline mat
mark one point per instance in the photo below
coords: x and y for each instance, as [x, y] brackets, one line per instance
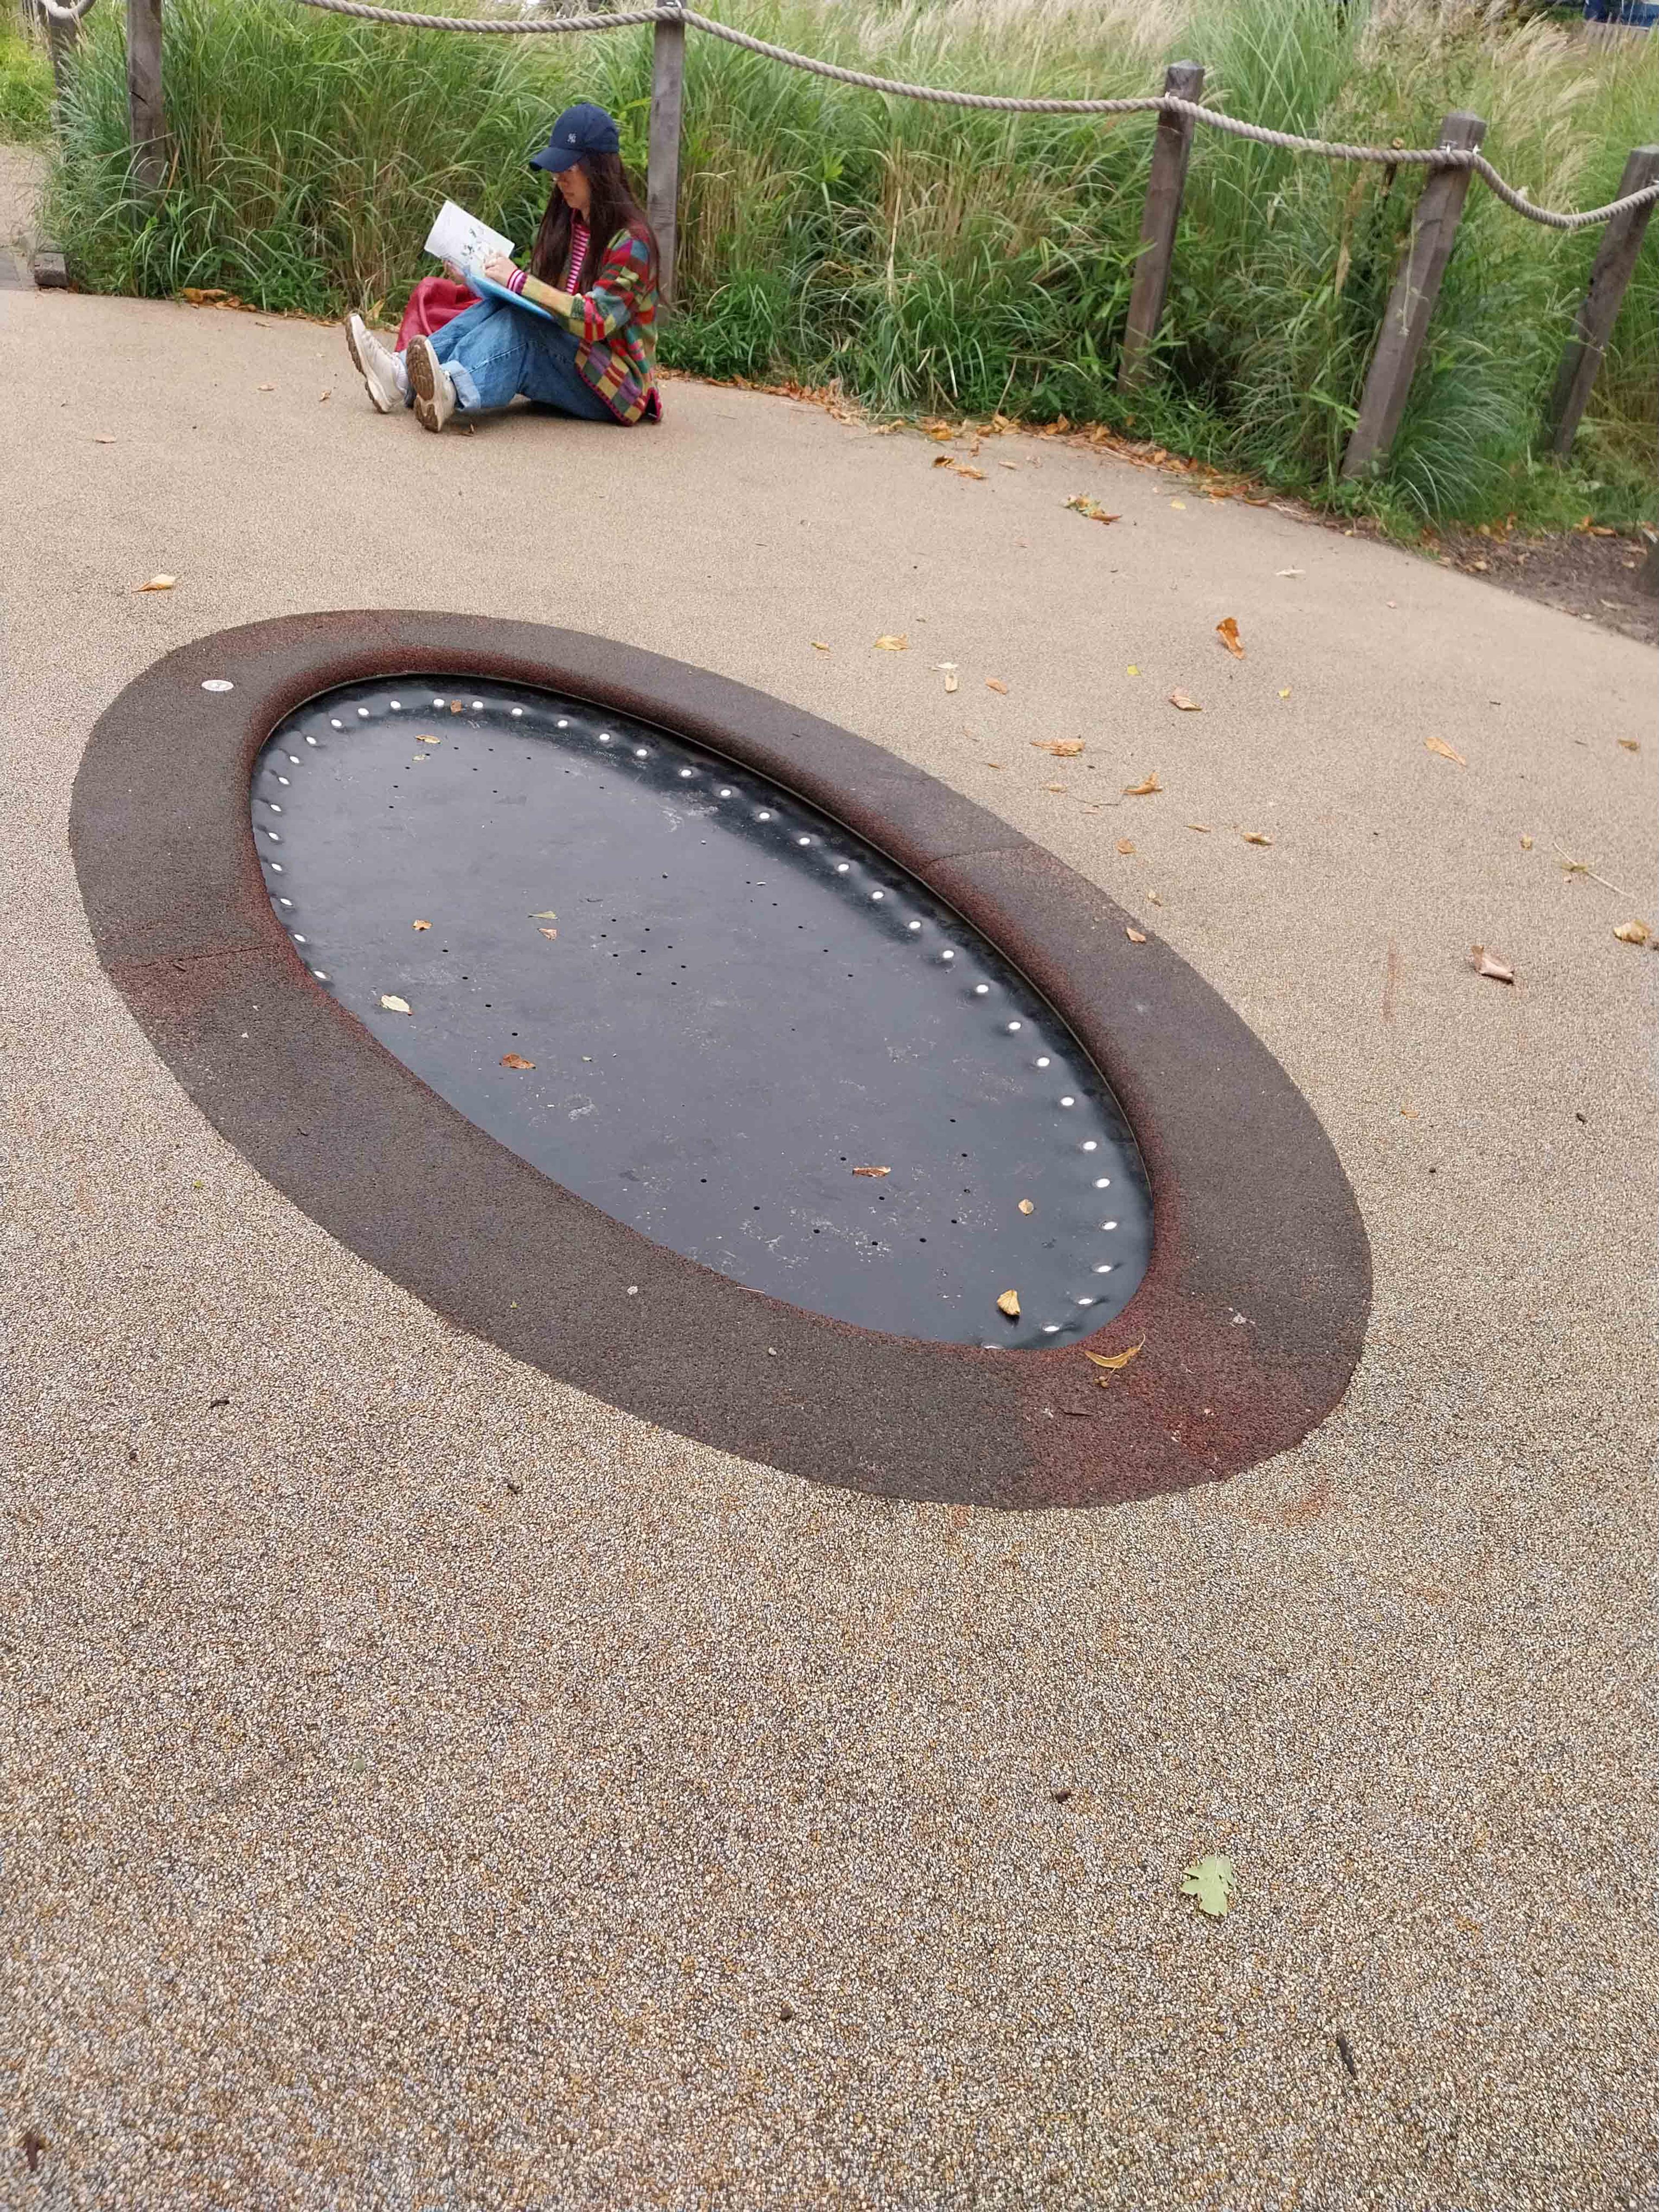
[729, 1006]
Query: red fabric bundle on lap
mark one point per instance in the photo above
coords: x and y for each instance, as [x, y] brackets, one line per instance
[434, 301]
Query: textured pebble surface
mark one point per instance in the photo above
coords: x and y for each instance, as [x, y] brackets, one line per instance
[426, 1787]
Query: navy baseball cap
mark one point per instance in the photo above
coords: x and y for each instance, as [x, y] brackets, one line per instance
[580, 130]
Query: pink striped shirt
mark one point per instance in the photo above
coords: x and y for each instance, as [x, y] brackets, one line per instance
[578, 248]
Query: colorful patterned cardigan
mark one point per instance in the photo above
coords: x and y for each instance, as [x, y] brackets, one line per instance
[615, 322]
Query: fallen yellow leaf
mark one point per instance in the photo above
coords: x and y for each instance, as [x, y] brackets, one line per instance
[963, 469]
[1136, 936]
[1256, 837]
[1227, 630]
[158, 584]
[1632, 932]
[1147, 785]
[267, 387]
[996, 683]
[1442, 750]
[1178, 503]
[1202, 827]
[546, 914]
[1286, 693]
[899, 644]
[1053, 786]
[1126, 844]
[321, 396]
[1026, 1207]
[394, 1005]
[1186, 705]
[1009, 1304]
[1210, 1881]
[1061, 748]
[428, 741]
[1132, 669]
[1630, 745]
[819, 646]
[1526, 844]
[516, 1059]
[420, 924]
[1081, 505]
[1408, 1112]
[1114, 1359]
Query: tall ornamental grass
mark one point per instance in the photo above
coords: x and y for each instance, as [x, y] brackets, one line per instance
[941, 259]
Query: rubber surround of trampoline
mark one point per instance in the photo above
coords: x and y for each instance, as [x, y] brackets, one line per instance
[1252, 1312]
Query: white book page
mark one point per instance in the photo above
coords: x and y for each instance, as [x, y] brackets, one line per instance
[460, 237]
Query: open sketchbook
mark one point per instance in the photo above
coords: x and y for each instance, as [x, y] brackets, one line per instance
[460, 238]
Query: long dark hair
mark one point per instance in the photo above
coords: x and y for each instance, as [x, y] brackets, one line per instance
[614, 208]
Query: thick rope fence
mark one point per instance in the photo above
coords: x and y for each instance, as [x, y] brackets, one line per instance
[1429, 157]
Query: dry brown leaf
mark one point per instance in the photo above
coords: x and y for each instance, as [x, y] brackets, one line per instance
[455, 706]
[420, 924]
[1053, 786]
[1009, 1304]
[963, 469]
[201, 295]
[545, 932]
[819, 646]
[1026, 1207]
[993, 764]
[996, 683]
[1630, 745]
[1483, 964]
[103, 438]
[1186, 705]
[1408, 1112]
[1632, 932]
[1136, 936]
[267, 387]
[1203, 827]
[394, 1005]
[1227, 630]
[872, 1171]
[321, 396]
[1079, 504]
[943, 461]
[1152, 899]
[1526, 843]
[1147, 785]
[1126, 844]
[158, 584]
[1061, 748]
[516, 1059]
[1256, 837]
[899, 644]
[1114, 1360]
[1442, 751]
[428, 741]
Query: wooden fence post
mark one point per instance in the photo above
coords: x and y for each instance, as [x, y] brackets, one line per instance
[146, 115]
[662, 189]
[1411, 303]
[1172, 148]
[62, 40]
[1615, 258]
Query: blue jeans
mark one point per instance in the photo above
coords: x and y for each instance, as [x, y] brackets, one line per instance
[493, 352]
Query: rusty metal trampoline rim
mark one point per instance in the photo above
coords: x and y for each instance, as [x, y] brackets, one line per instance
[177, 941]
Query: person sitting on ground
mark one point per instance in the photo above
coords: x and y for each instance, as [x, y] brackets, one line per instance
[593, 267]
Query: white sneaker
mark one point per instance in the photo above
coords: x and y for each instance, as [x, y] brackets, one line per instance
[381, 369]
[435, 395]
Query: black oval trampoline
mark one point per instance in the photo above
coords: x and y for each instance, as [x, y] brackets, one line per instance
[703, 1006]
